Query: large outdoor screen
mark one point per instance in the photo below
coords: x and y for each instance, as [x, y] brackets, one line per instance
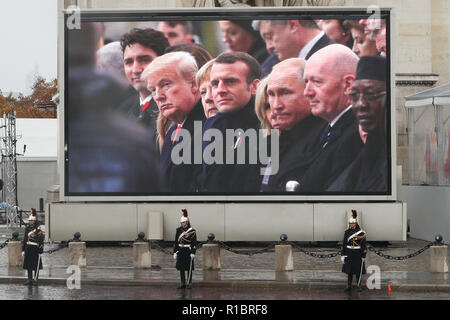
[227, 103]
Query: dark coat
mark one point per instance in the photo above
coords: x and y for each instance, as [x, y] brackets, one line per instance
[106, 154]
[182, 178]
[295, 153]
[33, 234]
[185, 237]
[233, 178]
[352, 263]
[267, 65]
[333, 155]
[258, 50]
[131, 109]
[323, 42]
[368, 173]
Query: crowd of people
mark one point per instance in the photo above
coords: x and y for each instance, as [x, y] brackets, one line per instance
[320, 86]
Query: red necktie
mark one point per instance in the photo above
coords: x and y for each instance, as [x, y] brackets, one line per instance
[176, 134]
[145, 106]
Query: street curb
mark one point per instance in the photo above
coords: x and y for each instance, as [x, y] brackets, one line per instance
[263, 284]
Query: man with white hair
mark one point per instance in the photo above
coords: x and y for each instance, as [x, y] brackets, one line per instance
[110, 59]
[329, 76]
[170, 79]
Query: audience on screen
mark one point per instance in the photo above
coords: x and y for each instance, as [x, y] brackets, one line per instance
[308, 96]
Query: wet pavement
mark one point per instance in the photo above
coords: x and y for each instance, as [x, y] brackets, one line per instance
[93, 292]
[110, 274]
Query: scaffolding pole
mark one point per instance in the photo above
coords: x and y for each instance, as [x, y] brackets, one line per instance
[9, 169]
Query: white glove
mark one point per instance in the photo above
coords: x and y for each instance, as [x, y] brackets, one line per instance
[175, 256]
[343, 259]
[23, 253]
[192, 256]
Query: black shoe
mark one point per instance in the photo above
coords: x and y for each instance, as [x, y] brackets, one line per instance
[189, 286]
[348, 289]
[28, 282]
[34, 282]
[359, 289]
[181, 286]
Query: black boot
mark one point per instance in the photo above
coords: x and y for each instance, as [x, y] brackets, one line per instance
[349, 283]
[30, 278]
[183, 280]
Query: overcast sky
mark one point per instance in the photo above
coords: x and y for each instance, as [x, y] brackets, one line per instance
[28, 42]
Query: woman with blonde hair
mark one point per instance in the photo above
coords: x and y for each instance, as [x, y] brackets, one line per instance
[262, 107]
[204, 85]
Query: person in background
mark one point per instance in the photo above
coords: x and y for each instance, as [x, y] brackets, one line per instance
[337, 31]
[110, 59]
[293, 38]
[240, 36]
[177, 32]
[362, 44]
[184, 250]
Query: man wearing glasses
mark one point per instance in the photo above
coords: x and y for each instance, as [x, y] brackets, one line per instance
[369, 170]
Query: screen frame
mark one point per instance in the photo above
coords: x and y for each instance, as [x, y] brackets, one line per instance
[255, 13]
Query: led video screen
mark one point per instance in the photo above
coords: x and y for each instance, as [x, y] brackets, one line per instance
[215, 103]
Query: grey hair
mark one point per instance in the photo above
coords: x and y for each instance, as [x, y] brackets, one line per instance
[110, 56]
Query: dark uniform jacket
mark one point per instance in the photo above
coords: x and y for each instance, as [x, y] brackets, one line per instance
[295, 153]
[185, 245]
[354, 248]
[182, 178]
[335, 152]
[369, 171]
[233, 178]
[33, 245]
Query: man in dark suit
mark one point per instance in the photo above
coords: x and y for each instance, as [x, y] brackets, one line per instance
[298, 127]
[293, 38]
[234, 78]
[170, 79]
[140, 47]
[329, 76]
[368, 172]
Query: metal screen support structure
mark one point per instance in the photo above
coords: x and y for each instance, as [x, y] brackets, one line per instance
[9, 168]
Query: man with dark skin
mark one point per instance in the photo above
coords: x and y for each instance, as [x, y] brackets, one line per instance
[368, 172]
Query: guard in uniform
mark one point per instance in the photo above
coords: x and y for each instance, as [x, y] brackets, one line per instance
[184, 250]
[33, 246]
[354, 252]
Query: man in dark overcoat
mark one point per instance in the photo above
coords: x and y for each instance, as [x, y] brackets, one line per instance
[353, 253]
[184, 250]
[32, 248]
